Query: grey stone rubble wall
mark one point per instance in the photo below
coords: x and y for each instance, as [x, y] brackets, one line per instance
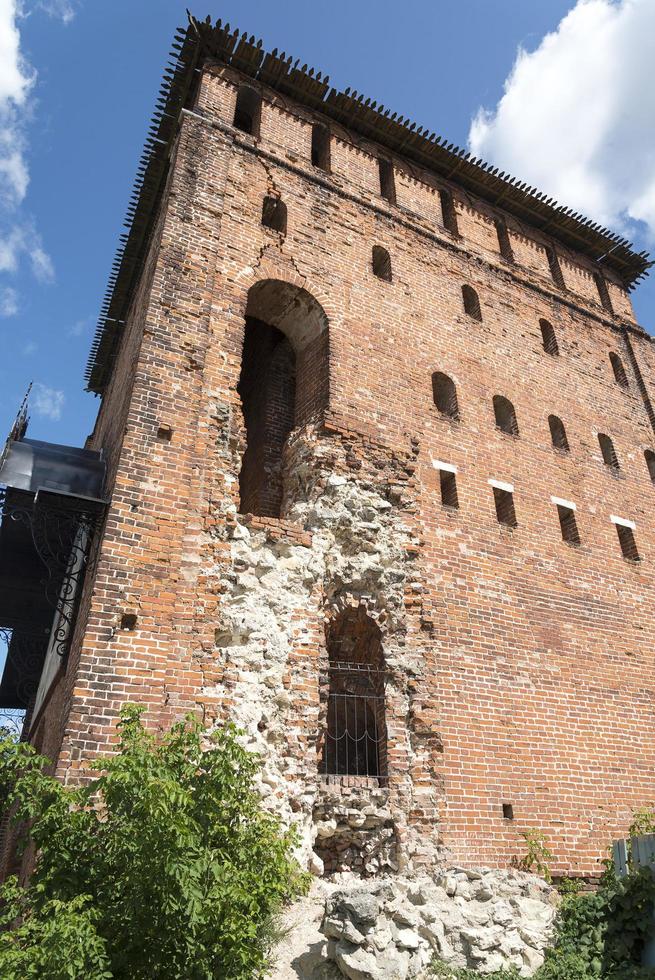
[392, 928]
[274, 598]
[354, 831]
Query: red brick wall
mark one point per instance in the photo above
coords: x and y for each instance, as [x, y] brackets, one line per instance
[532, 661]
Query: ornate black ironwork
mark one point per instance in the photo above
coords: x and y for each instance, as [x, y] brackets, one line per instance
[355, 735]
[12, 720]
[27, 652]
[63, 530]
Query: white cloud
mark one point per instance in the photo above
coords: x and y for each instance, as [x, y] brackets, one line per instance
[48, 402]
[18, 236]
[23, 239]
[80, 327]
[65, 10]
[16, 81]
[8, 301]
[576, 117]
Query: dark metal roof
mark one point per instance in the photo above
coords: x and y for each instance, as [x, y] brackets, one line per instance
[32, 465]
[202, 40]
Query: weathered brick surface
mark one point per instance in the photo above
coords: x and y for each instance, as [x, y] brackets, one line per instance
[522, 667]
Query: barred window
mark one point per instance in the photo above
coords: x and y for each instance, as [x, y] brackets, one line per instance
[355, 734]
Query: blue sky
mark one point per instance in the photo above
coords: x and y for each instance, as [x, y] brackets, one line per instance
[76, 109]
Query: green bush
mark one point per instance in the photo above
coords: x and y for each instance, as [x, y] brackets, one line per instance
[163, 866]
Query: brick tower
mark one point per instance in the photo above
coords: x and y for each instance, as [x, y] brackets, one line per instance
[379, 439]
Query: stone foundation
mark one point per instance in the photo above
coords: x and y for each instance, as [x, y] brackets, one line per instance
[393, 928]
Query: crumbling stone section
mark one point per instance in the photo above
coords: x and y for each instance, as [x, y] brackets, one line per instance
[394, 927]
[347, 540]
[354, 829]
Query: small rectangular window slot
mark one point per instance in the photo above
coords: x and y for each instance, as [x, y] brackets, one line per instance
[387, 182]
[555, 268]
[448, 212]
[321, 147]
[625, 530]
[504, 243]
[508, 811]
[504, 501]
[164, 433]
[568, 524]
[448, 482]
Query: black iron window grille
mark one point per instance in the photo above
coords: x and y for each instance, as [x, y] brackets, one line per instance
[355, 741]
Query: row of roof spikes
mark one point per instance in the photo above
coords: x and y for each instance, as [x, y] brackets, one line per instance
[246, 53]
[242, 36]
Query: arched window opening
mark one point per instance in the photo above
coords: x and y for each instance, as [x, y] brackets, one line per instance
[444, 394]
[274, 214]
[381, 263]
[555, 268]
[649, 456]
[283, 385]
[247, 112]
[548, 338]
[609, 452]
[387, 180]
[355, 735]
[448, 212]
[321, 146]
[603, 292]
[558, 433]
[505, 415]
[471, 302]
[620, 376]
[504, 243]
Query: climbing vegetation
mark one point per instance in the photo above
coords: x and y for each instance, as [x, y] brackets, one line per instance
[163, 866]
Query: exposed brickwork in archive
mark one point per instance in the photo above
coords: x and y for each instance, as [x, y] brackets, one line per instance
[517, 669]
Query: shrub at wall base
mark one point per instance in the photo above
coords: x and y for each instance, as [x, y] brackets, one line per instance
[162, 866]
